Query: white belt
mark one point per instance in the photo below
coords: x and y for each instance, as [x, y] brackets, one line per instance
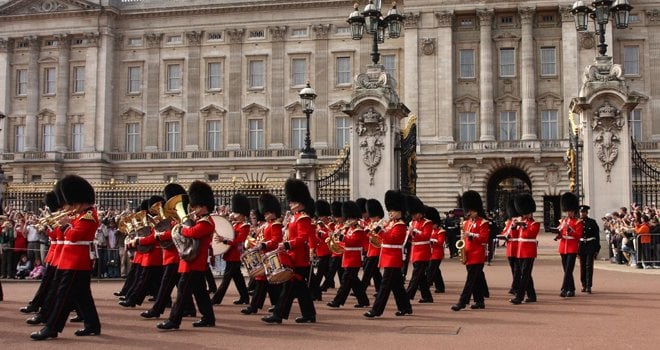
[76, 243]
[526, 240]
[513, 239]
[392, 246]
[59, 242]
[567, 237]
[421, 243]
[587, 239]
[352, 249]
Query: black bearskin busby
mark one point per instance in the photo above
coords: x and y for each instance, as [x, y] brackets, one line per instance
[296, 191]
[336, 209]
[350, 210]
[323, 208]
[362, 204]
[200, 193]
[511, 211]
[172, 190]
[155, 199]
[524, 204]
[269, 204]
[395, 201]
[569, 202]
[472, 201]
[240, 204]
[375, 209]
[50, 199]
[433, 215]
[58, 193]
[309, 207]
[414, 205]
[76, 190]
[144, 205]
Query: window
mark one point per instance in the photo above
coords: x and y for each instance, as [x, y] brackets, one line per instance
[389, 62]
[342, 131]
[134, 41]
[256, 74]
[173, 137]
[173, 77]
[636, 124]
[213, 135]
[343, 30]
[506, 19]
[76, 137]
[35, 178]
[299, 32]
[467, 126]
[466, 60]
[78, 80]
[548, 61]
[134, 80]
[549, 125]
[256, 134]
[298, 132]
[21, 82]
[256, 34]
[508, 130]
[214, 36]
[50, 78]
[343, 70]
[19, 138]
[133, 137]
[631, 60]
[171, 178]
[212, 177]
[507, 62]
[298, 71]
[466, 22]
[48, 138]
[174, 39]
[214, 76]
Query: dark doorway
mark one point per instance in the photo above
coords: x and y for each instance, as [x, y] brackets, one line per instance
[502, 185]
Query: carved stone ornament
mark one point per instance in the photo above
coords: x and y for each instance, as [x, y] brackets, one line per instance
[607, 125]
[194, 37]
[371, 129]
[445, 18]
[236, 35]
[153, 39]
[321, 31]
[552, 175]
[603, 74]
[465, 176]
[48, 6]
[587, 40]
[427, 46]
[653, 15]
[4, 44]
[277, 33]
[410, 20]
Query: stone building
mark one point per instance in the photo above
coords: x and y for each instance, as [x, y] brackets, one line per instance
[149, 90]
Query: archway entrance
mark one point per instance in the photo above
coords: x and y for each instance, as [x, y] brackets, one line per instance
[502, 185]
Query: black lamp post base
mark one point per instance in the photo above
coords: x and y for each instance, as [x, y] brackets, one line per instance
[308, 154]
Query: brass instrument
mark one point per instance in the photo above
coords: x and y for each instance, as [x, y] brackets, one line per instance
[333, 241]
[177, 209]
[460, 245]
[160, 220]
[253, 241]
[52, 221]
[373, 232]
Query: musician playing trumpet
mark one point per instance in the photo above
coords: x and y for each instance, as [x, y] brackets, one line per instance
[320, 248]
[433, 272]
[337, 228]
[420, 253]
[527, 229]
[569, 234]
[511, 235]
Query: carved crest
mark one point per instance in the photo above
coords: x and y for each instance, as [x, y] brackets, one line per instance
[371, 129]
[606, 125]
[427, 46]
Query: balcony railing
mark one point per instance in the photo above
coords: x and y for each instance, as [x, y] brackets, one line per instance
[515, 145]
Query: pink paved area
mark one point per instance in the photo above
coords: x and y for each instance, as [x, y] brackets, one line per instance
[622, 313]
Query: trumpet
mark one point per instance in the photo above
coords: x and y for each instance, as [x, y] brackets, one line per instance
[52, 221]
[373, 233]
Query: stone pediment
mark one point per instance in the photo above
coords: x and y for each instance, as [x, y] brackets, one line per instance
[255, 108]
[338, 106]
[33, 7]
[467, 103]
[46, 112]
[49, 59]
[549, 100]
[293, 107]
[132, 113]
[171, 112]
[212, 110]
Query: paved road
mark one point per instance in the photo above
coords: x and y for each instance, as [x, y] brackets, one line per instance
[622, 313]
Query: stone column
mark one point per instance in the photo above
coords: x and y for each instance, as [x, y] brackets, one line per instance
[31, 125]
[278, 62]
[487, 109]
[322, 125]
[410, 63]
[5, 91]
[105, 45]
[444, 113]
[234, 123]
[62, 107]
[153, 92]
[528, 74]
[570, 67]
[191, 118]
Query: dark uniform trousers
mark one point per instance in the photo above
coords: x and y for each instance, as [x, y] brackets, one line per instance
[261, 288]
[192, 283]
[73, 290]
[587, 269]
[434, 275]
[475, 285]
[515, 274]
[296, 288]
[167, 283]
[350, 281]
[321, 271]
[370, 271]
[526, 283]
[419, 281]
[392, 282]
[44, 287]
[333, 269]
[232, 272]
[133, 281]
[568, 264]
[149, 276]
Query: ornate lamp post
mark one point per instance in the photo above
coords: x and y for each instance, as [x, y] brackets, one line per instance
[372, 21]
[307, 97]
[600, 11]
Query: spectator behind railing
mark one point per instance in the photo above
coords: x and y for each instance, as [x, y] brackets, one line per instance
[37, 271]
[643, 230]
[23, 267]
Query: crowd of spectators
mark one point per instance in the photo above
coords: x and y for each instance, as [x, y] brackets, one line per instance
[634, 236]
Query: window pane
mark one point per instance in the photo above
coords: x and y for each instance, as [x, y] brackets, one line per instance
[343, 70]
[508, 130]
[549, 125]
[298, 132]
[49, 138]
[467, 127]
[173, 142]
[132, 137]
[636, 124]
[256, 134]
[631, 60]
[19, 138]
[342, 131]
[76, 137]
[548, 61]
[134, 79]
[299, 71]
[215, 76]
[467, 63]
[213, 135]
[21, 82]
[256, 74]
[507, 62]
[174, 77]
[78, 79]
[389, 62]
[49, 81]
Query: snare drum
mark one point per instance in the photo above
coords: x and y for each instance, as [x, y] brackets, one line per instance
[277, 269]
[253, 262]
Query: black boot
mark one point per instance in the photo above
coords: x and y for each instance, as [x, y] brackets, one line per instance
[43, 334]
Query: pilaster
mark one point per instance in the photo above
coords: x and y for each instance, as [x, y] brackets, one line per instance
[235, 93]
[486, 104]
[323, 130]
[193, 95]
[528, 74]
[153, 91]
[62, 109]
[277, 92]
[444, 113]
[570, 67]
[31, 126]
[5, 90]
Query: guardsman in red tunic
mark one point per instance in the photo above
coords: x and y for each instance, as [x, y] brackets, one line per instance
[296, 245]
[75, 263]
[433, 273]
[475, 233]
[335, 258]
[240, 207]
[392, 237]
[511, 236]
[420, 230]
[202, 203]
[376, 222]
[527, 230]
[321, 250]
[570, 231]
[353, 242]
[270, 208]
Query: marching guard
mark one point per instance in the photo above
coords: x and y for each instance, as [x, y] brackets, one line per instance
[420, 253]
[376, 221]
[433, 273]
[570, 231]
[321, 250]
[527, 229]
[511, 235]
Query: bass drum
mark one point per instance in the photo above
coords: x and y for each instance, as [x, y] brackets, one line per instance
[222, 228]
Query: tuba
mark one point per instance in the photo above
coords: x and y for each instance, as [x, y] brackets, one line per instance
[177, 209]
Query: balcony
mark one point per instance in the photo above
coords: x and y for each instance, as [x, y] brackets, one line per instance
[508, 146]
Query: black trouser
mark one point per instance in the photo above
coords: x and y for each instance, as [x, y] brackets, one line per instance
[526, 284]
[296, 288]
[232, 272]
[210, 280]
[419, 281]
[568, 264]
[7, 264]
[261, 287]
[149, 276]
[130, 279]
[192, 283]
[44, 286]
[515, 274]
[474, 285]
[350, 281]
[434, 275]
[73, 290]
[587, 269]
[333, 269]
[321, 271]
[370, 271]
[392, 282]
[33, 251]
[164, 297]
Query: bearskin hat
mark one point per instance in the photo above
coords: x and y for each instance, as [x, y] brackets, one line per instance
[296, 191]
[524, 203]
[155, 199]
[51, 201]
[58, 193]
[414, 205]
[75, 190]
[200, 193]
[240, 204]
[269, 204]
[395, 201]
[472, 201]
[309, 207]
[511, 211]
[362, 204]
[433, 215]
[323, 208]
[172, 190]
[144, 205]
[375, 209]
[336, 209]
[569, 202]
[350, 210]
[259, 216]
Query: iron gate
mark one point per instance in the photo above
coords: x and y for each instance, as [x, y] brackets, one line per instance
[335, 186]
[408, 159]
[645, 179]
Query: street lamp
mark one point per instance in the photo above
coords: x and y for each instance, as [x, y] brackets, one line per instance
[307, 97]
[600, 11]
[372, 21]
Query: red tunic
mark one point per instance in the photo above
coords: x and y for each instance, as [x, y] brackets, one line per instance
[241, 231]
[438, 244]
[353, 242]
[527, 245]
[52, 236]
[272, 238]
[170, 255]
[320, 247]
[202, 230]
[475, 248]
[155, 256]
[392, 236]
[372, 250]
[512, 239]
[570, 230]
[77, 239]
[421, 240]
[299, 230]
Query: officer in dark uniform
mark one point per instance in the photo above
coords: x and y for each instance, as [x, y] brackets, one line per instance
[588, 249]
